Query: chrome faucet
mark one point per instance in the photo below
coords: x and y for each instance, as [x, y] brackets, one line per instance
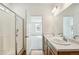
[65, 39]
[75, 36]
[61, 34]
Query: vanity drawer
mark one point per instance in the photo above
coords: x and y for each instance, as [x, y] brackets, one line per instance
[68, 52]
[50, 52]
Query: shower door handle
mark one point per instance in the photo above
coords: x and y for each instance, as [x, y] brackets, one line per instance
[16, 35]
[26, 36]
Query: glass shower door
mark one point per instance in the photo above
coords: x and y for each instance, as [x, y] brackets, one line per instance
[7, 32]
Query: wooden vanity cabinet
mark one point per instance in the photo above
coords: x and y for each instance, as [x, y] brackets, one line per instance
[49, 49]
[50, 52]
[53, 51]
[45, 46]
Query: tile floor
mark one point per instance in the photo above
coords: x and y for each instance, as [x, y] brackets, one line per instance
[36, 52]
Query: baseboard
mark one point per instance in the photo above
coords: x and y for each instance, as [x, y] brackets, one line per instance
[22, 52]
[7, 53]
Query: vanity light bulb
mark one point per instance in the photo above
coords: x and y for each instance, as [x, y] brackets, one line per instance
[7, 10]
[1, 8]
[54, 9]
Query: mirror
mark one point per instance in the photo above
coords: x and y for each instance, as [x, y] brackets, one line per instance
[71, 21]
[67, 22]
[68, 27]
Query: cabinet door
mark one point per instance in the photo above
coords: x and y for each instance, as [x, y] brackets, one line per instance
[49, 51]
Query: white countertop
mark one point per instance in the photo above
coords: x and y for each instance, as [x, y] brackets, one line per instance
[72, 47]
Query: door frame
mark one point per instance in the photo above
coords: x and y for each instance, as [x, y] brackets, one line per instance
[42, 29]
[22, 33]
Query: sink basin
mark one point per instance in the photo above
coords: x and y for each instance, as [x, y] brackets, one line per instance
[60, 41]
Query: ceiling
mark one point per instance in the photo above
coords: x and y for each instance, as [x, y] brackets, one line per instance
[37, 4]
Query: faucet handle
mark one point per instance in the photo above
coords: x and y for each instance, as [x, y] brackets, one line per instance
[60, 34]
[75, 36]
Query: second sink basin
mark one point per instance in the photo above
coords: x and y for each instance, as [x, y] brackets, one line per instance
[59, 40]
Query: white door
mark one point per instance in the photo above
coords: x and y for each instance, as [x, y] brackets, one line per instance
[35, 34]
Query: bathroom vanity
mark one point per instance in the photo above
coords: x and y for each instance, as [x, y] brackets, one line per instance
[51, 48]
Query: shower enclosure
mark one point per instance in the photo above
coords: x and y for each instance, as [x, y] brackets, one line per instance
[11, 32]
[7, 31]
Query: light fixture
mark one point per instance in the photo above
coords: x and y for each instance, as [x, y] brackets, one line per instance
[54, 9]
[2, 8]
[7, 10]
